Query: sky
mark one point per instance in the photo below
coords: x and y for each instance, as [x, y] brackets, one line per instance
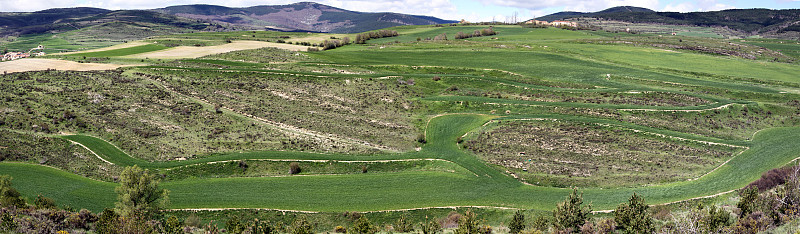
[470, 10]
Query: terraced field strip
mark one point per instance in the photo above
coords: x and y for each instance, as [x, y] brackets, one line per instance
[114, 47]
[144, 48]
[369, 192]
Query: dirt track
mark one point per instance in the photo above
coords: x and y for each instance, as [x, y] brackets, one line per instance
[34, 64]
[195, 52]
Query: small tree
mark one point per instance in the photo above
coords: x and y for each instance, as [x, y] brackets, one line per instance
[747, 200]
[571, 214]
[138, 193]
[716, 219]
[517, 224]
[632, 217]
[363, 226]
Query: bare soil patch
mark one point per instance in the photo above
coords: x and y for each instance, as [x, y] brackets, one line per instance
[34, 64]
[196, 52]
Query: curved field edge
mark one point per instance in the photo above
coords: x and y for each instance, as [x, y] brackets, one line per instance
[403, 190]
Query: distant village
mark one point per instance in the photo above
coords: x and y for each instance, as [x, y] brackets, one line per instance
[8, 56]
[556, 23]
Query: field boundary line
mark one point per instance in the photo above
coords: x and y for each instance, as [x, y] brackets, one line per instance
[675, 110]
[90, 150]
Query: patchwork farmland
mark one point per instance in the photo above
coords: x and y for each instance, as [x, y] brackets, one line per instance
[240, 125]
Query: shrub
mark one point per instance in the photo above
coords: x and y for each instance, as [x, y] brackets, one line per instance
[485, 229]
[540, 223]
[421, 138]
[340, 229]
[606, 226]
[42, 202]
[7, 223]
[262, 227]
[716, 219]
[193, 221]
[294, 168]
[108, 222]
[363, 226]
[571, 213]
[233, 225]
[437, 78]
[753, 223]
[632, 217]
[467, 224]
[772, 178]
[363, 168]
[517, 223]
[403, 225]
[173, 226]
[430, 226]
[301, 226]
[9, 196]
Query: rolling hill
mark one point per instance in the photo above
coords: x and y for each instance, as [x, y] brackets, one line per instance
[754, 21]
[303, 16]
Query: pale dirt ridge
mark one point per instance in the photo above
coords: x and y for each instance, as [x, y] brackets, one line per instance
[35, 64]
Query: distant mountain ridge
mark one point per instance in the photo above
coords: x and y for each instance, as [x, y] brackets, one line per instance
[744, 20]
[307, 16]
[302, 16]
